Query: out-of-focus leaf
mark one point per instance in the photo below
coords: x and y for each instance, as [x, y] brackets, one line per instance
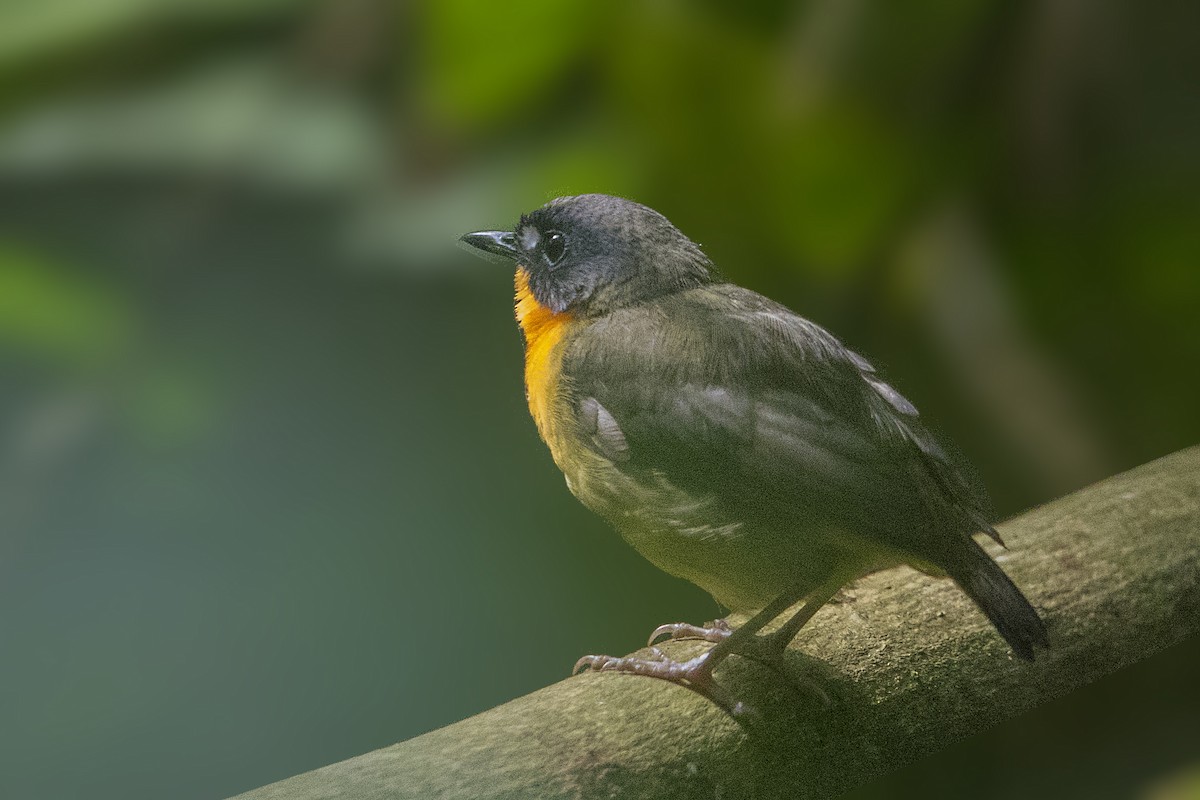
[244, 117]
[31, 30]
[841, 180]
[46, 312]
[1163, 241]
[1181, 785]
[588, 162]
[938, 38]
[691, 92]
[488, 62]
[724, 115]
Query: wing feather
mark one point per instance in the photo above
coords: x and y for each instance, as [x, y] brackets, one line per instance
[732, 396]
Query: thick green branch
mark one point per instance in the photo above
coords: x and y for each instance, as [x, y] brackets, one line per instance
[902, 666]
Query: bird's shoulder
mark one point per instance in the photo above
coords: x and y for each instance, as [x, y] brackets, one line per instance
[723, 335]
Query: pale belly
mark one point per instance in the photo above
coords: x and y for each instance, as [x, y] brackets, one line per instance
[743, 565]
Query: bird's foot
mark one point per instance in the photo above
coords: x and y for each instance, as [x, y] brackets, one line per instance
[694, 674]
[767, 650]
[715, 631]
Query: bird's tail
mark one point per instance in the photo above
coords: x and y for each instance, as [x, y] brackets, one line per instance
[1000, 599]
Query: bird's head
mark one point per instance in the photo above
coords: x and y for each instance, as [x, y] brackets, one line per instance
[593, 253]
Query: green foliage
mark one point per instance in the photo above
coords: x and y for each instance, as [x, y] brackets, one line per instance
[48, 313]
[488, 64]
[36, 31]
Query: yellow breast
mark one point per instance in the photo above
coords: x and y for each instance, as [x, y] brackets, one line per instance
[544, 331]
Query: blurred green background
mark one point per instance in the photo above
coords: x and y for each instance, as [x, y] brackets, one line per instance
[269, 495]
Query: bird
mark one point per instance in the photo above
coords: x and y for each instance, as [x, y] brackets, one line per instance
[729, 440]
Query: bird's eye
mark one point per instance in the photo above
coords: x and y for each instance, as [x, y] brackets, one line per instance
[555, 246]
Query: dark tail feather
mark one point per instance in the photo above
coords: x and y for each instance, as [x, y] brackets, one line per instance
[1001, 600]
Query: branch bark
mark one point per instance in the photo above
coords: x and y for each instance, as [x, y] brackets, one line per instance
[900, 667]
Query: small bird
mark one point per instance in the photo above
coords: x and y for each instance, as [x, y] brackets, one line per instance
[729, 440]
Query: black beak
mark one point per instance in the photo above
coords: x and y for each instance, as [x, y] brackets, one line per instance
[499, 243]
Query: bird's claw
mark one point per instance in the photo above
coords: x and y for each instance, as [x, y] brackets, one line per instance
[714, 631]
[591, 663]
[694, 674]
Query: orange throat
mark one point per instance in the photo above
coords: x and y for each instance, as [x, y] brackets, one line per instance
[543, 330]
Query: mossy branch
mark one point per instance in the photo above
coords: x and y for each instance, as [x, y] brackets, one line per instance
[900, 667]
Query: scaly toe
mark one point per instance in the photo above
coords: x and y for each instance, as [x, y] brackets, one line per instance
[715, 632]
[694, 674]
[591, 663]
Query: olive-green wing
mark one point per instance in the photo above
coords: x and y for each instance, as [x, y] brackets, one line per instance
[729, 395]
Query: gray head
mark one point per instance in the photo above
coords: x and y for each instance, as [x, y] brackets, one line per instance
[593, 253]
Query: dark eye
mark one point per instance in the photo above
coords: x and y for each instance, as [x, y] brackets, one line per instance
[555, 246]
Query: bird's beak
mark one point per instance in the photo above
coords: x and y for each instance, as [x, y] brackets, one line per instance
[499, 243]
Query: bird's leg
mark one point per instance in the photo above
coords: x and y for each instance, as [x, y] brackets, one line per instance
[696, 673]
[768, 649]
[775, 643]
